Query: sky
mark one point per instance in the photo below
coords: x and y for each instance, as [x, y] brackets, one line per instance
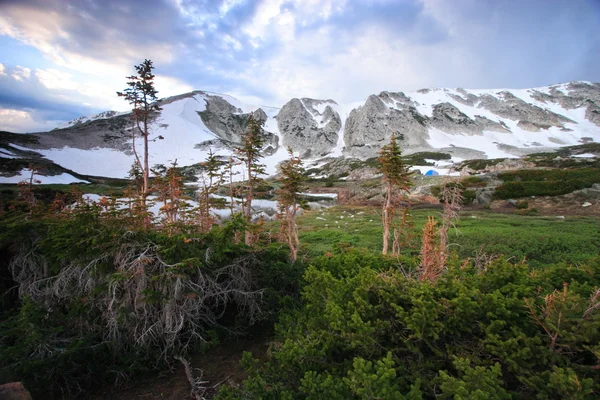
[61, 59]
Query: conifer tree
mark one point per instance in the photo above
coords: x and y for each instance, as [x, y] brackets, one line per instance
[249, 154]
[168, 185]
[288, 196]
[142, 95]
[211, 179]
[397, 181]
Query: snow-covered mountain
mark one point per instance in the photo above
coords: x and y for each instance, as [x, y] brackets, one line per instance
[81, 120]
[477, 123]
[464, 123]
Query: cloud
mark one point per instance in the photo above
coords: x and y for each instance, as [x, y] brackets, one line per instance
[20, 73]
[12, 120]
[271, 50]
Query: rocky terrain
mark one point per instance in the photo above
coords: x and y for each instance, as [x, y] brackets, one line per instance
[465, 124]
[310, 127]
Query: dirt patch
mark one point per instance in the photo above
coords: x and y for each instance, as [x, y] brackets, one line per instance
[220, 365]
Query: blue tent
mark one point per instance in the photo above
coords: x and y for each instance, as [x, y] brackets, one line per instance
[431, 173]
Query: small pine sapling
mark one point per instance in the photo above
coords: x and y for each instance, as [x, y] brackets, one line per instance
[403, 232]
[248, 153]
[452, 198]
[430, 268]
[396, 178]
[168, 184]
[292, 181]
[211, 179]
[25, 191]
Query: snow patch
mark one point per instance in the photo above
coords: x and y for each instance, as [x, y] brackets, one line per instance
[25, 175]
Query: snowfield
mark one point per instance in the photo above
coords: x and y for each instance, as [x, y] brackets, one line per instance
[25, 175]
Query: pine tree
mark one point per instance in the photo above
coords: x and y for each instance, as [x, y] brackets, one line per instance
[288, 196]
[249, 154]
[211, 179]
[397, 182]
[168, 186]
[142, 95]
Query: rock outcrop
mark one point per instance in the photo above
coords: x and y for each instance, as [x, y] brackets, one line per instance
[370, 127]
[308, 131]
[229, 122]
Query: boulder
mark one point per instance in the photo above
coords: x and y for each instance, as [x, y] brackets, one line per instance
[483, 196]
[14, 391]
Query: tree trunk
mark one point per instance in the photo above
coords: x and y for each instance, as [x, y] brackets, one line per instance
[249, 196]
[387, 209]
[146, 170]
[292, 233]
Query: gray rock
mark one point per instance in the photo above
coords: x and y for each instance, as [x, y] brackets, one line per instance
[306, 130]
[589, 193]
[592, 112]
[229, 123]
[484, 196]
[468, 99]
[370, 126]
[446, 117]
[512, 107]
[531, 127]
[489, 125]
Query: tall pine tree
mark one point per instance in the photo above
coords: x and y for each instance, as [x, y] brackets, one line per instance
[142, 95]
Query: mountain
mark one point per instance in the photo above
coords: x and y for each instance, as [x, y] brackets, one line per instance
[465, 123]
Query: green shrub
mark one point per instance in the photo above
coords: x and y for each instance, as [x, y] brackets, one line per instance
[473, 182]
[105, 302]
[496, 331]
[525, 183]
[469, 196]
[479, 165]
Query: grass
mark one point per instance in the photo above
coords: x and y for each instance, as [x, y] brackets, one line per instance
[539, 239]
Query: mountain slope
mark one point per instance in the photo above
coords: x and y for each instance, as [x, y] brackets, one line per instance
[465, 123]
[496, 123]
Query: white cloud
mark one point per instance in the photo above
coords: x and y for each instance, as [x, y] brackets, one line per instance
[55, 79]
[169, 86]
[48, 32]
[327, 63]
[2, 69]
[282, 16]
[22, 121]
[227, 5]
[265, 12]
[21, 73]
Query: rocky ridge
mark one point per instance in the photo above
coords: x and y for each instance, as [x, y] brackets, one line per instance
[464, 123]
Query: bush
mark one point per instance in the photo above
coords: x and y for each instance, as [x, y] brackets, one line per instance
[366, 330]
[473, 182]
[525, 183]
[100, 301]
